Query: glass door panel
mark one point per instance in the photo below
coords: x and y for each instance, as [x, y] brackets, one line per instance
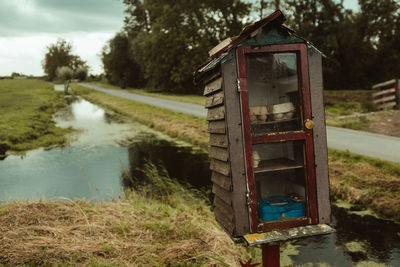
[273, 88]
[279, 171]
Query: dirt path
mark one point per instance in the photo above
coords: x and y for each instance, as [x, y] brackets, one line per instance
[364, 143]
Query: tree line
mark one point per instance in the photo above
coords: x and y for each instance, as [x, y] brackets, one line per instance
[162, 42]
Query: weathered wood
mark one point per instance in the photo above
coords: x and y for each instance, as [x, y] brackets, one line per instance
[221, 180]
[387, 105]
[222, 194]
[219, 153]
[216, 73]
[319, 136]
[219, 46]
[384, 92]
[224, 208]
[218, 127]
[383, 84]
[220, 140]
[223, 221]
[213, 86]
[236, 157]
[384, 99]
[217, 113]
[215, 100]
[220, 167]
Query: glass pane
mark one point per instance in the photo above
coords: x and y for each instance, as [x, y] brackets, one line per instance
[280, 180]
[273, 92]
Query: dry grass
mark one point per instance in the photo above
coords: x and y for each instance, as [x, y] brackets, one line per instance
[175, 228]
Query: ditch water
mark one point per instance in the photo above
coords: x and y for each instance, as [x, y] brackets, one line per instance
[92, 167]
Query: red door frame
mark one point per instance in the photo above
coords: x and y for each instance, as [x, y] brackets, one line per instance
[305, 102]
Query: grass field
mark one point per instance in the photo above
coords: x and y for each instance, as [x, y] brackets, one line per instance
[26, 108]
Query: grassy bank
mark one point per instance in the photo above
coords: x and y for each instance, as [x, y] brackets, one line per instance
[159, 224]
[366, 183]
[182, 126]
[26, 108]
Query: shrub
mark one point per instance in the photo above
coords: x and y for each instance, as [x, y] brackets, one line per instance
[64, 73]
[81, 73]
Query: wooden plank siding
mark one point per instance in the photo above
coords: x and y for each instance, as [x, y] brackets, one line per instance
[215, 100]
[220, 140]
[216, 113]
[219, 154]
[225, 209]
[223, 194]
[221, 180]
[214, 86]
[223, 221]
[235, 137]
[217, 127]
[220, 167]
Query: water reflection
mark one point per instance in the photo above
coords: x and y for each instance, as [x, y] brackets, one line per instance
[180, 162]
[91, 166]
[358, 239]
[88, 168]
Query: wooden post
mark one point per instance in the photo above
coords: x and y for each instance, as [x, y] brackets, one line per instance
[397, 86]
[271, 255]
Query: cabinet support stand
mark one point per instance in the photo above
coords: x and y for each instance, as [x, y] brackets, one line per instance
[270, 255]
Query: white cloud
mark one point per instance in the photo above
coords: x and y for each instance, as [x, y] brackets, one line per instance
[24, 54]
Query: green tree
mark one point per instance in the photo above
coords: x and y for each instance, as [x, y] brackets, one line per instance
[379, 23]
[58, 55]
[170, 39]
[118, 62]
[81, 73]
[64, 73]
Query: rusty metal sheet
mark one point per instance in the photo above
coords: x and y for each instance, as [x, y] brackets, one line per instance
[287, 234]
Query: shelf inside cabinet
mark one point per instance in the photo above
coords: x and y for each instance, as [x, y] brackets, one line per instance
[277, 165]
[272, 122]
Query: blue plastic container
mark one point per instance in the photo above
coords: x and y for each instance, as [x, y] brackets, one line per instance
[279, 207]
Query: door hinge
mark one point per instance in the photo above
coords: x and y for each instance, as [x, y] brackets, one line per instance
[238, 84]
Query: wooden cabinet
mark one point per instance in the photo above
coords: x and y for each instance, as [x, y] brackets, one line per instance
[267, 131]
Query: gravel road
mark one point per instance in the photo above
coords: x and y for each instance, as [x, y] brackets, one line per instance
[364, 143]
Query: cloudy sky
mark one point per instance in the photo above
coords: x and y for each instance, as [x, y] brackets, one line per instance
[27, 27]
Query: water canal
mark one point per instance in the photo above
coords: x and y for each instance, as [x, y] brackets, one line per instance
[92, 165]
